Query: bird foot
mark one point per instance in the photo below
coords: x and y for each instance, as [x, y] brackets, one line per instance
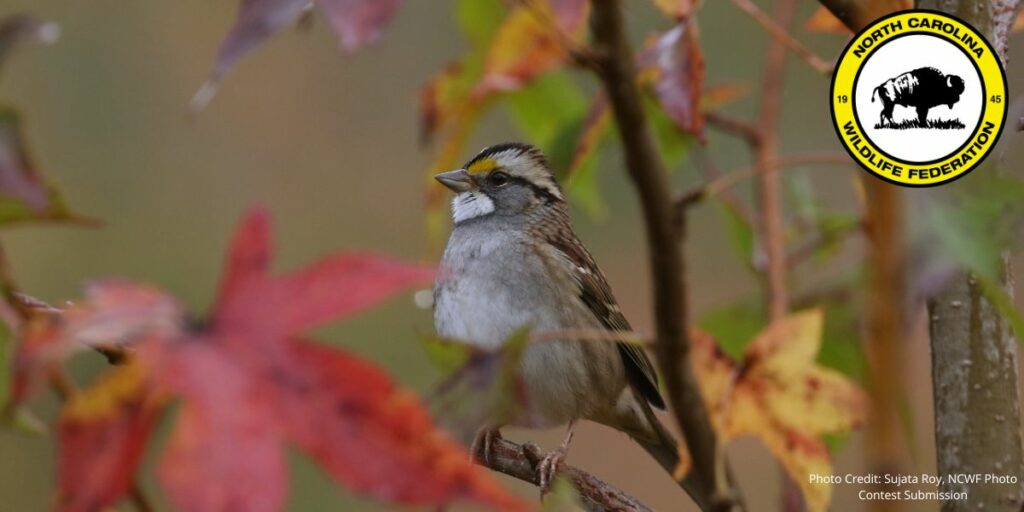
[483, 443]
[548, 467]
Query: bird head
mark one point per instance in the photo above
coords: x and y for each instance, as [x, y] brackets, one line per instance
[506, 179]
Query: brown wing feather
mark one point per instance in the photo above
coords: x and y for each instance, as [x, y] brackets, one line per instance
[597, 295]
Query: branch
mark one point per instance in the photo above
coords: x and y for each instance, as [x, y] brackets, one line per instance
[617, 69]
[857, 14]
[741, 129]
[781, 34]
[765, 157]
[521, 461]
[726, 181]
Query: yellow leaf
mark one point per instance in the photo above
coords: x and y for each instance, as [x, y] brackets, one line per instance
[533, 39]
[677, 9]
[126, 383]
[788, 345]
[780, 395]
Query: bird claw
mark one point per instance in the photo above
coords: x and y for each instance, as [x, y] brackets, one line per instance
[483, 443]
[548, 468]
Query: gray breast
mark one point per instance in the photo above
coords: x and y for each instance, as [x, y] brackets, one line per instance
[494, 282]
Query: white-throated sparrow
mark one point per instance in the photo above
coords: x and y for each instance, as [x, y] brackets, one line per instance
[514, 261]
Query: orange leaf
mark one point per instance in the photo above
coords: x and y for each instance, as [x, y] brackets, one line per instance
[718, 96]
[780, 395]
[533, 39]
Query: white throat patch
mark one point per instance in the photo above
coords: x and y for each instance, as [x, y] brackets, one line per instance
[469, 205]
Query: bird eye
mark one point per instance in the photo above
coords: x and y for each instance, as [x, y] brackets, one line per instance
[498, 179]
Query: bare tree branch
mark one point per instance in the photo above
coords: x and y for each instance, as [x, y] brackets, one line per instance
[974, 353]
[781, 34]
[617, 70]
[521, 461]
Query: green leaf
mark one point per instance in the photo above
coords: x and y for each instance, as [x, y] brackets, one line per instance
[673, 143]
[479, 19]
[584, 187]
[541, 109]
[562, 498]
[25, 194]
[485, 387]
[973, 231]
[741, 233]
[445, 355]
[734, 326]
[841, 349]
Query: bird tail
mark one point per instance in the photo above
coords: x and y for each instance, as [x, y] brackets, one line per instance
[672, 457]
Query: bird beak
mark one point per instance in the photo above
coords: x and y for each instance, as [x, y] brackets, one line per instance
[458, 180]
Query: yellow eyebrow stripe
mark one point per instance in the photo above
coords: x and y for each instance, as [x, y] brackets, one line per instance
[482, 165]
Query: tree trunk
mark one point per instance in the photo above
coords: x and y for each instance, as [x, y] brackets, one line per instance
[974, 354]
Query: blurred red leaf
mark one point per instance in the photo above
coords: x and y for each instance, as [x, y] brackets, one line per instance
[25, 195]
[357, 22]
[672, 64]
[102, 435]
[247, 388]
[113, 314]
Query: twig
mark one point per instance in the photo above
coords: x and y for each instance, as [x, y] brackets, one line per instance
[769, 221]
[725, 181]
[765, 157]
[520, 461]
[741, 129]
[856, 14]
[886, 313]
[780, 32]
[617, 69]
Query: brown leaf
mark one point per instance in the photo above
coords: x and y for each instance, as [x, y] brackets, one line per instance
[19, 28]
[25, 195]
[357, 22]
[672, 64]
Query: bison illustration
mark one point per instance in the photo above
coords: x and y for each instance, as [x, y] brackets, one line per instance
[922, 88]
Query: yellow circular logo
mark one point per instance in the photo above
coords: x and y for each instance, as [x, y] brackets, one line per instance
[919, 98]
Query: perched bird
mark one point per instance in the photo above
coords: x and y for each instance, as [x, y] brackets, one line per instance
[514, 261]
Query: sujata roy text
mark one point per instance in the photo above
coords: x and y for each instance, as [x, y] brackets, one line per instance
[916, 479]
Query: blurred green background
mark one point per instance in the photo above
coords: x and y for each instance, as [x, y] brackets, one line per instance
[329, 142]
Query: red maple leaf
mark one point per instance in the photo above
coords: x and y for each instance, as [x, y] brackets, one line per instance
[248, 385]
